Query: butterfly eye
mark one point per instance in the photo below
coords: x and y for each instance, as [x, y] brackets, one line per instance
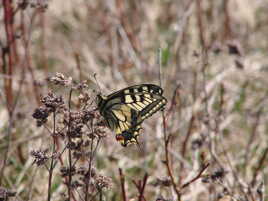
[120, 138]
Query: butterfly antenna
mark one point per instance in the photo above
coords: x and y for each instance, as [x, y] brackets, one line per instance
[95, 77]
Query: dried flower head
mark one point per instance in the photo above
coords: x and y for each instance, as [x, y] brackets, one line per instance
[5, 193]
[40, 156]
[197, 143]
[41, 114]
[52, 102]
[65, 171]
[215, 176]
[87, 116]
[161, 198]
[83, 170]
[103, 182]
[82, 85]
[218, 174]
[162, 182]
[76, 184]
[39, 4]
[60, 79]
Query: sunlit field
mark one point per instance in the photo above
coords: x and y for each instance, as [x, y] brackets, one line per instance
[208, 142]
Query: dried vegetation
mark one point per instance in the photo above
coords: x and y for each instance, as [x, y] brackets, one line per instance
[211, 142]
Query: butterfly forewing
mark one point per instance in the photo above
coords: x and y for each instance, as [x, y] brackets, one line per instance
[126, 109]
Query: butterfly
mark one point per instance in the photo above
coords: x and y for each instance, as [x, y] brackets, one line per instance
[126, 109]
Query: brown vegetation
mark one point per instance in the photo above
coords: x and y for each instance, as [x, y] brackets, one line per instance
[210, 143]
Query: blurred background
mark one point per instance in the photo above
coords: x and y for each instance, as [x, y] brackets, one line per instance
[214, 69]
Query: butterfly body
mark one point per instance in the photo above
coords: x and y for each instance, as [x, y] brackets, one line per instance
[126, 109]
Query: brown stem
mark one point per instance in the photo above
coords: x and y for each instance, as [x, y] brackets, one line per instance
[196, 177]
[69, 150]
[227, 33]
[170, 174]
[123, 17]
[51, 168]
[28, 59]
[187, 137]
[44, 57]
[141, 187]
[252, 136]
[200, 23]
[261, 164]
[122, 179]
[8, 70]
[184, 145]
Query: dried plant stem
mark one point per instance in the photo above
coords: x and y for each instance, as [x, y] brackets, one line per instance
[227, 21]
[261, 164]
[122, 179]
[8, 21]
[141, 187]
[166, 137]
[89, 172]
[69, 185]
[28, 59]
[184, 145]
[252, 136]
[51, 168]
[7, 69]
[120, 5]
[200, 23]
[167, 163]
[44, 54]
[181, 33]
[196, 177]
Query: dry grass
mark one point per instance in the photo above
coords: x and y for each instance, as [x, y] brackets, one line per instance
[214, 144]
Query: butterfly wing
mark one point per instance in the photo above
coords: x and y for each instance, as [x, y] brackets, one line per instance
[125, 110]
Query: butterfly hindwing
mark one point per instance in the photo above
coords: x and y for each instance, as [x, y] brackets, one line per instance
[126, 109]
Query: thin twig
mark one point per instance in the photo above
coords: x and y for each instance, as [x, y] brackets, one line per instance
[196, 177]
[187, 137]
[122, 179]
[7, 68]
[184, 145]
[89, 172]
[141, 187]
[51, 168]
[227, 32]
[166, 137]
[167, 163]
[261, 164]
[252, 135]
[69, 150]
[28, 59]
[200, 23]
[173, 101]
[8, 21]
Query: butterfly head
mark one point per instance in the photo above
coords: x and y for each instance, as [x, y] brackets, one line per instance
[127, 137]
[120, 138]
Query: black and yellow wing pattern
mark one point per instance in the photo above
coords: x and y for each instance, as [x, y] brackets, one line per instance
[126, 109]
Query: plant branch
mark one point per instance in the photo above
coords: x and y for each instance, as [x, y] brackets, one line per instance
[122, 179]
[196, 177]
